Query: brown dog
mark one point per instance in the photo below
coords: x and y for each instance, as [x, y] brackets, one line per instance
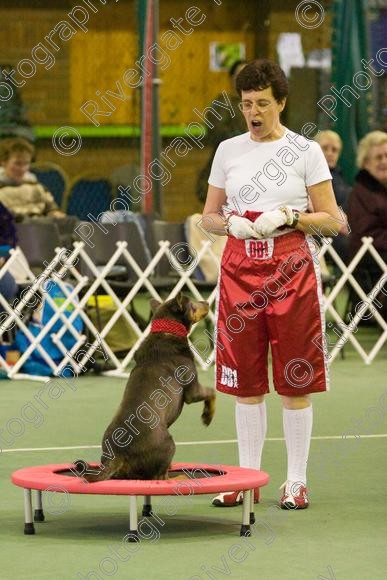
[137, 444]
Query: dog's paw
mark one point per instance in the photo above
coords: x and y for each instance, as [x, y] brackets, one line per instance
[80, 467]
[208, 411]
[85, 472]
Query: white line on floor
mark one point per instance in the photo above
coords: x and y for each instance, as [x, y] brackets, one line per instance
[215, 442]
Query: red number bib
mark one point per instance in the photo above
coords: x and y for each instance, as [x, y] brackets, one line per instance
[260, 249]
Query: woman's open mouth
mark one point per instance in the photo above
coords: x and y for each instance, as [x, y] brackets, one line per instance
[256, 124]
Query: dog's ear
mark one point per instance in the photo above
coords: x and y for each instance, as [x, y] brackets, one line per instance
[154, 304]
[179, 300]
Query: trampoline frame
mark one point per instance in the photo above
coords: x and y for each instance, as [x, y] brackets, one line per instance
[46, 478]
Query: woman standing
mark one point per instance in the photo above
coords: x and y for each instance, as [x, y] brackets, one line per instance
[269, 286]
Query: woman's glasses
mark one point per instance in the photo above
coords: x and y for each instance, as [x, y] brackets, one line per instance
[247, 106]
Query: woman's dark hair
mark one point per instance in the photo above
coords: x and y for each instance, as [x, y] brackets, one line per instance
[234, 67]
[261, 74]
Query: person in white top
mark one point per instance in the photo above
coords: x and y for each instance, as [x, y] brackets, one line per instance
[269, 291]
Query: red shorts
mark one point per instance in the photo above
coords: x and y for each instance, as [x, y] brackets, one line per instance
[270, 293]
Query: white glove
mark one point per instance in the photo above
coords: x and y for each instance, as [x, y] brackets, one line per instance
[270, 221]
[241, 228]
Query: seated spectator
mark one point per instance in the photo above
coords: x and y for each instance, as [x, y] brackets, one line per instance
[20, 191]
[331, 145]
[367, 209]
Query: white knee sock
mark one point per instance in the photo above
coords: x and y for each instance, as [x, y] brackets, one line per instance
[251, 427]
[298, 430]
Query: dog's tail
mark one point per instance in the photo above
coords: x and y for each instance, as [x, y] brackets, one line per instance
[208, 410]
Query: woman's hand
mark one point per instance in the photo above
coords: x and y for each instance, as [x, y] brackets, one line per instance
[269, 222]
[240, 228]
[327, 219]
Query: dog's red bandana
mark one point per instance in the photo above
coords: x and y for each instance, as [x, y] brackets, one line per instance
[170, 326]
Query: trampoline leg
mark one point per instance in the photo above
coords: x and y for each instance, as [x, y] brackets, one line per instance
[245, 527]
[133, 533]
[39, 514]
[252, 516]
[29, 529]
[147, 507]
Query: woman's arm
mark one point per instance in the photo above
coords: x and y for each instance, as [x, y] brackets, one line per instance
[327, 219]
[213, 219]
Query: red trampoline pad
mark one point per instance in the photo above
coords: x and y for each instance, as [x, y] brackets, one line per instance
[201, 479]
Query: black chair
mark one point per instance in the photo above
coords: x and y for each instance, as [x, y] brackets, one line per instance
[65, 226]
[54, 178]
[89, 195]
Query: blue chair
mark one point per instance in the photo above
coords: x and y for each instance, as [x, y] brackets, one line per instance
[53, 178]
[89, 196]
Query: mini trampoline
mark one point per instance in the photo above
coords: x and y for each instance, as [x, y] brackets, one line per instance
[184, 479]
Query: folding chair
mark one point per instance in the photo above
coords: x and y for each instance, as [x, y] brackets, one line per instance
[89, 195]
[54, 178]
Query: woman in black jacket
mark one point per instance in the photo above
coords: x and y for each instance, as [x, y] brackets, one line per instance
[331, 145]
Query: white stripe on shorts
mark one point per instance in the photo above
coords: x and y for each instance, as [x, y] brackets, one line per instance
[317, 271]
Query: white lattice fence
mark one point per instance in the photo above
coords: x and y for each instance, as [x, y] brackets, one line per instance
[365, 304]
[67, 264]
[86, 287]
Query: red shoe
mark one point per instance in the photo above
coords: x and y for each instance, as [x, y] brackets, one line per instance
[232, 498]
[295, 496]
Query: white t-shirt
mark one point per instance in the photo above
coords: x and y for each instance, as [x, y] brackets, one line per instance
[263, 176]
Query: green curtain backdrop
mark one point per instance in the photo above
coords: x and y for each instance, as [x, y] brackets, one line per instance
[349, 46]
